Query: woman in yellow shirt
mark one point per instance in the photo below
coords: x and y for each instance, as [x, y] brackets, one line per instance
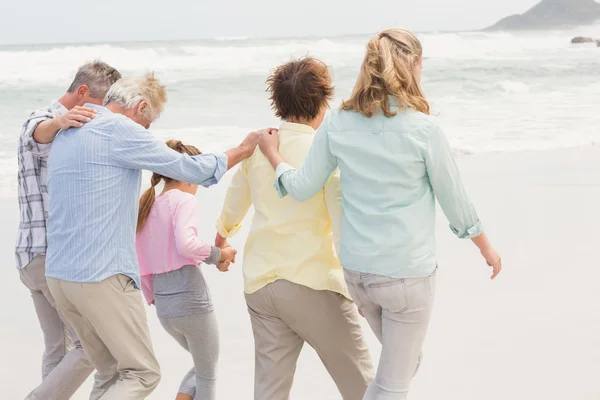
[294, 284]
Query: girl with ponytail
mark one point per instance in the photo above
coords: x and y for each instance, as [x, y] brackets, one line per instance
[169, 253]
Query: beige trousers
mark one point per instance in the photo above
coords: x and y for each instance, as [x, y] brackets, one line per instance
[284, 315]
[110, 320]
[64, 364]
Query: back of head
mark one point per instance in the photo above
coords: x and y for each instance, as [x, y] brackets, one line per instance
[390, 68]
[147, 199]
[129, 92]
[300, 89]
[98, 76]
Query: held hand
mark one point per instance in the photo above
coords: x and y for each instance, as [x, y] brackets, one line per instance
[492, 258]
[269, 143]
[228, 254]
[75, 118]
[223, 266]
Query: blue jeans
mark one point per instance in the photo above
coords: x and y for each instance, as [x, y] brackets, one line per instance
[398, 311]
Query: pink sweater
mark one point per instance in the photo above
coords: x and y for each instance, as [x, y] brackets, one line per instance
[169, 239]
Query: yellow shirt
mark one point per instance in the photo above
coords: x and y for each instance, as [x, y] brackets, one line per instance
[290, 240]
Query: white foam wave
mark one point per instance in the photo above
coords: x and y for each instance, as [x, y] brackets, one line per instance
[513, 87]
[242, 55]
[233, 38]
[187, 61]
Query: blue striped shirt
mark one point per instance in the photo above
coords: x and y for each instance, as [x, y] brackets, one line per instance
[94, 178]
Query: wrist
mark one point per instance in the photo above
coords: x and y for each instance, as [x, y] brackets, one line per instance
[246, 150]
[56, 123]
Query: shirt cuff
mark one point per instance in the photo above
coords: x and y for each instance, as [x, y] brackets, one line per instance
[282, 170]
[215, 256]
[227, 233]
[472, 232]
[37, 149]
[222, 162]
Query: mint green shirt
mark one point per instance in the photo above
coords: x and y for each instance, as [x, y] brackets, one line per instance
[392, 169]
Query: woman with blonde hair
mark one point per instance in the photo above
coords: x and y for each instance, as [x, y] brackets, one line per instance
[169, 253]
[394, 162]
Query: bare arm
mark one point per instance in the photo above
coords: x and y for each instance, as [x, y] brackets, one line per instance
[46, 131]
[492, 258]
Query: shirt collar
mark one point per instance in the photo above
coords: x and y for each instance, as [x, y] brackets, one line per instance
[99, 109]
[298, 128]
[60, 108]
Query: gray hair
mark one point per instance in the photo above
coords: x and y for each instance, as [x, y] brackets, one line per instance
[98, 76]
[131, 91]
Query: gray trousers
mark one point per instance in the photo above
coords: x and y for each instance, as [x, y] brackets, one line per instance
[64, 364]
[398, 311]
[284, 315]
[198, 334]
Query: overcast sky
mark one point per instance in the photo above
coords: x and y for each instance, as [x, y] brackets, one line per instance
[57, 21]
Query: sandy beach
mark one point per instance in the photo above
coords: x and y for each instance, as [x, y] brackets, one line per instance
[531, 334]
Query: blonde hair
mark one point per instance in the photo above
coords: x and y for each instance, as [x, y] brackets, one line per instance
[131, 91]
[147, 199]
[389, 70]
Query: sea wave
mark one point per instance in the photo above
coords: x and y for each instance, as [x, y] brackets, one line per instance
[234, 56]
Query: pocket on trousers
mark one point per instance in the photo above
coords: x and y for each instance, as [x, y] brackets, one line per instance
[124, 282]
[353, 289]
[389, 293]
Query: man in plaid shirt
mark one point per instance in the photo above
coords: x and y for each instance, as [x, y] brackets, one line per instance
[64, 365]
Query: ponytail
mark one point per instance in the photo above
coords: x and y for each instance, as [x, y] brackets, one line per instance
[147, 199]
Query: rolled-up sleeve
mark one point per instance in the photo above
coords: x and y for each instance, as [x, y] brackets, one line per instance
[448, 186]
[134, 147]
[318, 166]
[40, 150]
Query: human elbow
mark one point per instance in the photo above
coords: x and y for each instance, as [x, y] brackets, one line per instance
[468, 232]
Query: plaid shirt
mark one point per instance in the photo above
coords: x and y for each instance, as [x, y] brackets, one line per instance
[33, 187]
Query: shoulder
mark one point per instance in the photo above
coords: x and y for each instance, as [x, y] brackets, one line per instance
[177, 199]
[420, 125]
[123, 130]
[42, 114]
[121, 121]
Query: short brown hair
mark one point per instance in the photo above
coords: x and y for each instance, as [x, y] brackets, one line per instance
[300, 88]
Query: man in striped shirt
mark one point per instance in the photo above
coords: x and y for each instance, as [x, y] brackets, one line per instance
[64, 365]
[94, 175]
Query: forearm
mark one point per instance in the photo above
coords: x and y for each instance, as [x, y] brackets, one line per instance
[482, 242]
[274, 158]
[46, 131]
[237, 155]
[220, 241]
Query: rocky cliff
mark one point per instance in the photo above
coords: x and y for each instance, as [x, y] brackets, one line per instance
[552, 14]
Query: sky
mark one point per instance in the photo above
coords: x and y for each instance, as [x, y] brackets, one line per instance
[68, 21]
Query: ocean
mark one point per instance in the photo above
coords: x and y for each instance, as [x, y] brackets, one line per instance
[530, 334]
[492, 92]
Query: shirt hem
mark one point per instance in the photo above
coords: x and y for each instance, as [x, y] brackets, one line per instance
[418, 272]
[256, 288]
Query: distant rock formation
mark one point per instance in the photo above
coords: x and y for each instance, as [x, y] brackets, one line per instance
[581, 39]
[552, 14]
